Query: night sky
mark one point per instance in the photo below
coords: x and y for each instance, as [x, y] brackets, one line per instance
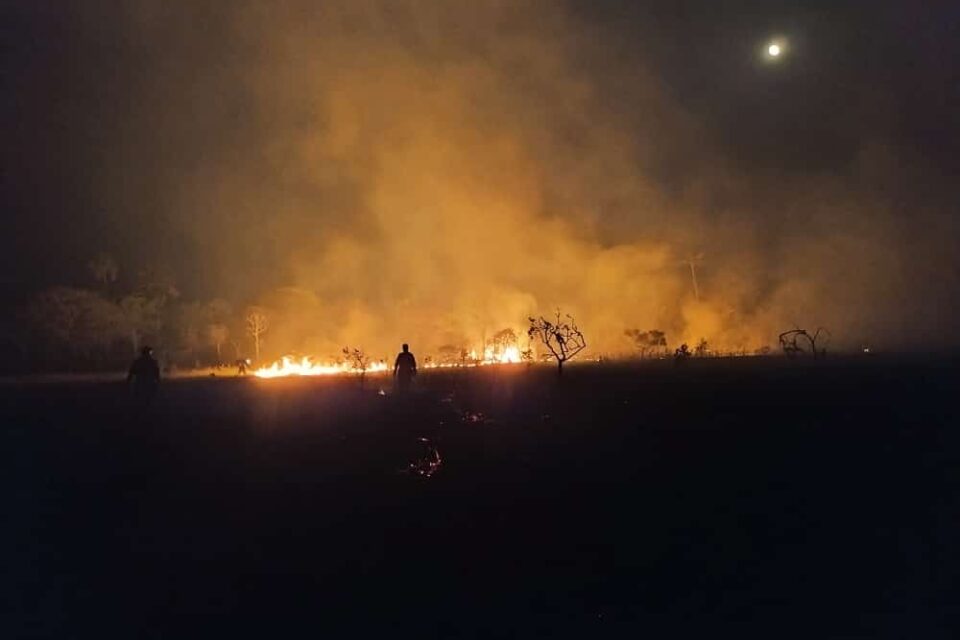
[128, 126]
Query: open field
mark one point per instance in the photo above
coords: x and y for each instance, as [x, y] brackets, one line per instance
[750, 496]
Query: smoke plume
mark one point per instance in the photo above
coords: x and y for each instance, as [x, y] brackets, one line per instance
[432, 172]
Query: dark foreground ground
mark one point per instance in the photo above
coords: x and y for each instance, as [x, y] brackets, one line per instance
[752, 497]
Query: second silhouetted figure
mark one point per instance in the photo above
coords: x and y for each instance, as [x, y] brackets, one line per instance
[404, 369]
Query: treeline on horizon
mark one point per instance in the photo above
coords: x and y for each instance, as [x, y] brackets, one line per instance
[102, 327]
[74, 329]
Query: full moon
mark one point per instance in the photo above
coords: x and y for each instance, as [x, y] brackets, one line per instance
[774, 50]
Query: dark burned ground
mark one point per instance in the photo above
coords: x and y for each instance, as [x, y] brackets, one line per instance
[757, 496]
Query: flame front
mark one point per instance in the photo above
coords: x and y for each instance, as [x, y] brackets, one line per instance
[305, 366]
[511, 355]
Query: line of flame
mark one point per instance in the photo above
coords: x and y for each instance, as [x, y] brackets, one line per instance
[305, 366]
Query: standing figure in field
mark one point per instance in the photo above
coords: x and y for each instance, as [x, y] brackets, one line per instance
[404, 369]
[144, 376]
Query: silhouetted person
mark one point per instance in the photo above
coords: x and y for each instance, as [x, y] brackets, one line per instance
[144, 375]
[404, 369]
[241, 367]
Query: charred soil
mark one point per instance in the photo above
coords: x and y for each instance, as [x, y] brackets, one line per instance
[755, 495]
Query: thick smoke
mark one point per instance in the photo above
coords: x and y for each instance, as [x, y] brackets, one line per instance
[432, 172]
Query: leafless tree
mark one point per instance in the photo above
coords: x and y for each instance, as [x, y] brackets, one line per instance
[799, 342]
[258, 322]
[562, 338]
[648, 342]
[359, 361]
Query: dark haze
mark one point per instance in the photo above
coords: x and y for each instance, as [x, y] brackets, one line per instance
[432, 172]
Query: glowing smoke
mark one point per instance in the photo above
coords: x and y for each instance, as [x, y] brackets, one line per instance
[436, 171]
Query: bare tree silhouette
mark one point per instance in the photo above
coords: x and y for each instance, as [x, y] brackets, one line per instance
[258, 322]
[798, 342]
[563, 339]
[359, 361]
